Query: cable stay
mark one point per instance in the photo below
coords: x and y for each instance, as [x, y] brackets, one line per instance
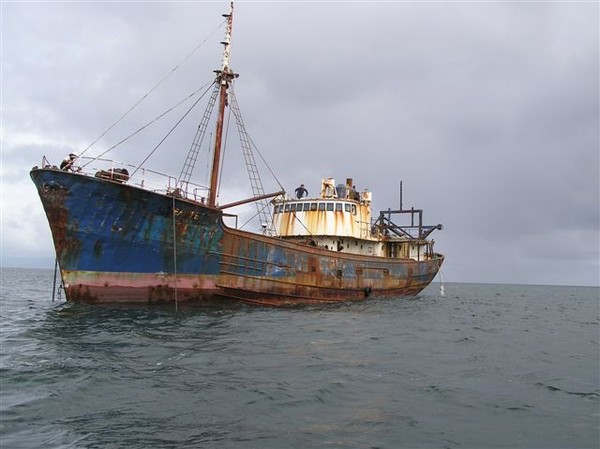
[147, 94]
[125, 139]
[166, 136]
[262, 205]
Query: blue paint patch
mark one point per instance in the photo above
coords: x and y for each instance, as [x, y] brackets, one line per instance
[104, 226]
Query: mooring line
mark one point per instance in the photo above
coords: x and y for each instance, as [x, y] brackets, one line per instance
[175, 252]
[54, 284]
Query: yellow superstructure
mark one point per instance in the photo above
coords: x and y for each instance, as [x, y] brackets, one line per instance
[340, 219]
[339, 212]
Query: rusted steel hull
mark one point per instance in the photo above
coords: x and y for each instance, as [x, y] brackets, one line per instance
[271, 271]
[118, 243]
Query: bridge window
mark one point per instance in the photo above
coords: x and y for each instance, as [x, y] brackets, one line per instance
[347, 207]
[338, 207]
[313, 206]
[293, 208]
[354, 209]
[287, 207]
[321, 206]
[330, 207]
[306, 207]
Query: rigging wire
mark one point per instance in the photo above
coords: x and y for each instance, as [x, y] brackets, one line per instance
[259, 153]
[167, 135]
[207, 167]
[266, 164]
[302, 224]
[151, 122]
[255, 215]
[173, 70]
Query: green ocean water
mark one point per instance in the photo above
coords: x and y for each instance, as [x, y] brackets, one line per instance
[485, 366]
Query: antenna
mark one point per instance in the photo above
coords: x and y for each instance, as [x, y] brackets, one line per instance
[400, 195]
[227, 42]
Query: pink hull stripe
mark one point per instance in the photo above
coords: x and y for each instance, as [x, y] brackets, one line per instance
[91, 286]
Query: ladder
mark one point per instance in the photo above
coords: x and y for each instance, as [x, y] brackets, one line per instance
[190, 160]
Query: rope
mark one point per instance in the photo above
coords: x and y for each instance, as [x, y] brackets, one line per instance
[173, 70]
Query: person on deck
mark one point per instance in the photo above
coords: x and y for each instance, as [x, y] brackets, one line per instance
[67, 163]
[301, 192]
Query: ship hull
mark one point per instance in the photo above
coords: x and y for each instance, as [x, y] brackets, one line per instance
[119, 243]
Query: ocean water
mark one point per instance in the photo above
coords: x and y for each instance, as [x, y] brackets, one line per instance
[486, 366]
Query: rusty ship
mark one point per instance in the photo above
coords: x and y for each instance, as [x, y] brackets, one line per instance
[131, 235]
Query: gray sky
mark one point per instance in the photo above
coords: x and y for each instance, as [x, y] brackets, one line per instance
[487, 111]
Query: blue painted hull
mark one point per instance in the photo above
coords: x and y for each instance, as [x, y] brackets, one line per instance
[118, 243]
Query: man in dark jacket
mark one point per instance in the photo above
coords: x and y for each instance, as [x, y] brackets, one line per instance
[301, 192]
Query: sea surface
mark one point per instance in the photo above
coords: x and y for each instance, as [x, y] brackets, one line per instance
[485, 366]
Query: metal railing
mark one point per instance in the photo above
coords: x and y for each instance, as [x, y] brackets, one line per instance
[141, 177]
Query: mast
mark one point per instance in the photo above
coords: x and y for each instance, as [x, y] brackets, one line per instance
[224, 77]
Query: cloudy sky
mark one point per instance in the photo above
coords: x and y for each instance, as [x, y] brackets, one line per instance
[487, 111]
